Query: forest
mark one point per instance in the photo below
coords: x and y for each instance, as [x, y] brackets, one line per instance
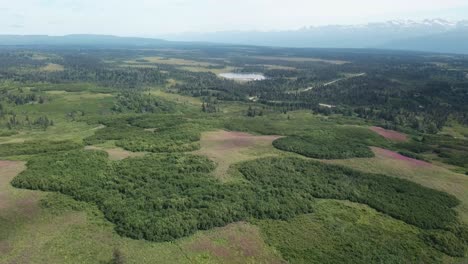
[337, 156]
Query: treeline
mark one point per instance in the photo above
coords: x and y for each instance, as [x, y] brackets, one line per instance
[13, 59]
[37, 147]
[21, 97]
[117, 78]
[13, 121]
[324, 148]
[79, 68]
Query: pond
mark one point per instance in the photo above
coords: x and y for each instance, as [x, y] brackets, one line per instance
[243, 76]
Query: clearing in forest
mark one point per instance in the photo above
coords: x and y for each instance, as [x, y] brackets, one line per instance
[8, 196]
[239, 242]
[53, 67]
[227, 148]
[117, 153]
[390, 134]
[301, 59]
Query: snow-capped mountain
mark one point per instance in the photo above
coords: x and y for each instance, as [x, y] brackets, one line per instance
[392, 34]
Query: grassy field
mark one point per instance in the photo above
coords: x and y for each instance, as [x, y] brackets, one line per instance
[171, 61]
[52, 67]
[228, 148]
[60, 104]
[301, 59]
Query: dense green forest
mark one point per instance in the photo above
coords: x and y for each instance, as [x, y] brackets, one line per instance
[165, 197]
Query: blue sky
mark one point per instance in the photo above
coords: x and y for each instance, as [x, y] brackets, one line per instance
[159, 17]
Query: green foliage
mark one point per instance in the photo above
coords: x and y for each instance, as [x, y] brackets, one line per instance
[252, 112]
[446, 242]
[449, 149]
[414, 146]
[157, 197]
[343, 232]
[137, 102]
[58, 203]
[168, 196]
[322, 148]
[7, 133]
[164, 197]
[161, 135]
[36, 147]
[21, 97]
[412, 155]
[332, 143]
[401, 199]
[117, 257]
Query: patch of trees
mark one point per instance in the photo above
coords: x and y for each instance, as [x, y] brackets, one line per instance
[210, 105]
[401, 199]
[119, 77]
[86, 68]
[449, 149]
[253, 112]
[21, 97]
[452, 243]
[332, 143]
[132, 101]
[158, 137]
[36, 147]
[323, 148]
[15, 122]
[165, 197]
[13, 59]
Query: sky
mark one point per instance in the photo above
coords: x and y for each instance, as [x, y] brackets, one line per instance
[159, 17]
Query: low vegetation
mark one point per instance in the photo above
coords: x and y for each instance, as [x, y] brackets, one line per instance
[343, 232]
[36, 147]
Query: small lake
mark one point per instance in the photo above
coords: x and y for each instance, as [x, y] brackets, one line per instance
[243, 76]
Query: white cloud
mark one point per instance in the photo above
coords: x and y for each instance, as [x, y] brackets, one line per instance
[153, 17]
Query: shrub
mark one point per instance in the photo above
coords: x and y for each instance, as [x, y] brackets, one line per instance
[446, 242]
[36, 147]
[323, 148]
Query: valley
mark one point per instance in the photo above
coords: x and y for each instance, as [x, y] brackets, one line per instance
[151, 155]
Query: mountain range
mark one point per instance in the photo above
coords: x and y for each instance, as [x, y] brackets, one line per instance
[432, 35]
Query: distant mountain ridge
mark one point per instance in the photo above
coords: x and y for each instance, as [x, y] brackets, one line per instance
[78, 39]
[395, 34]
[431, 35]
